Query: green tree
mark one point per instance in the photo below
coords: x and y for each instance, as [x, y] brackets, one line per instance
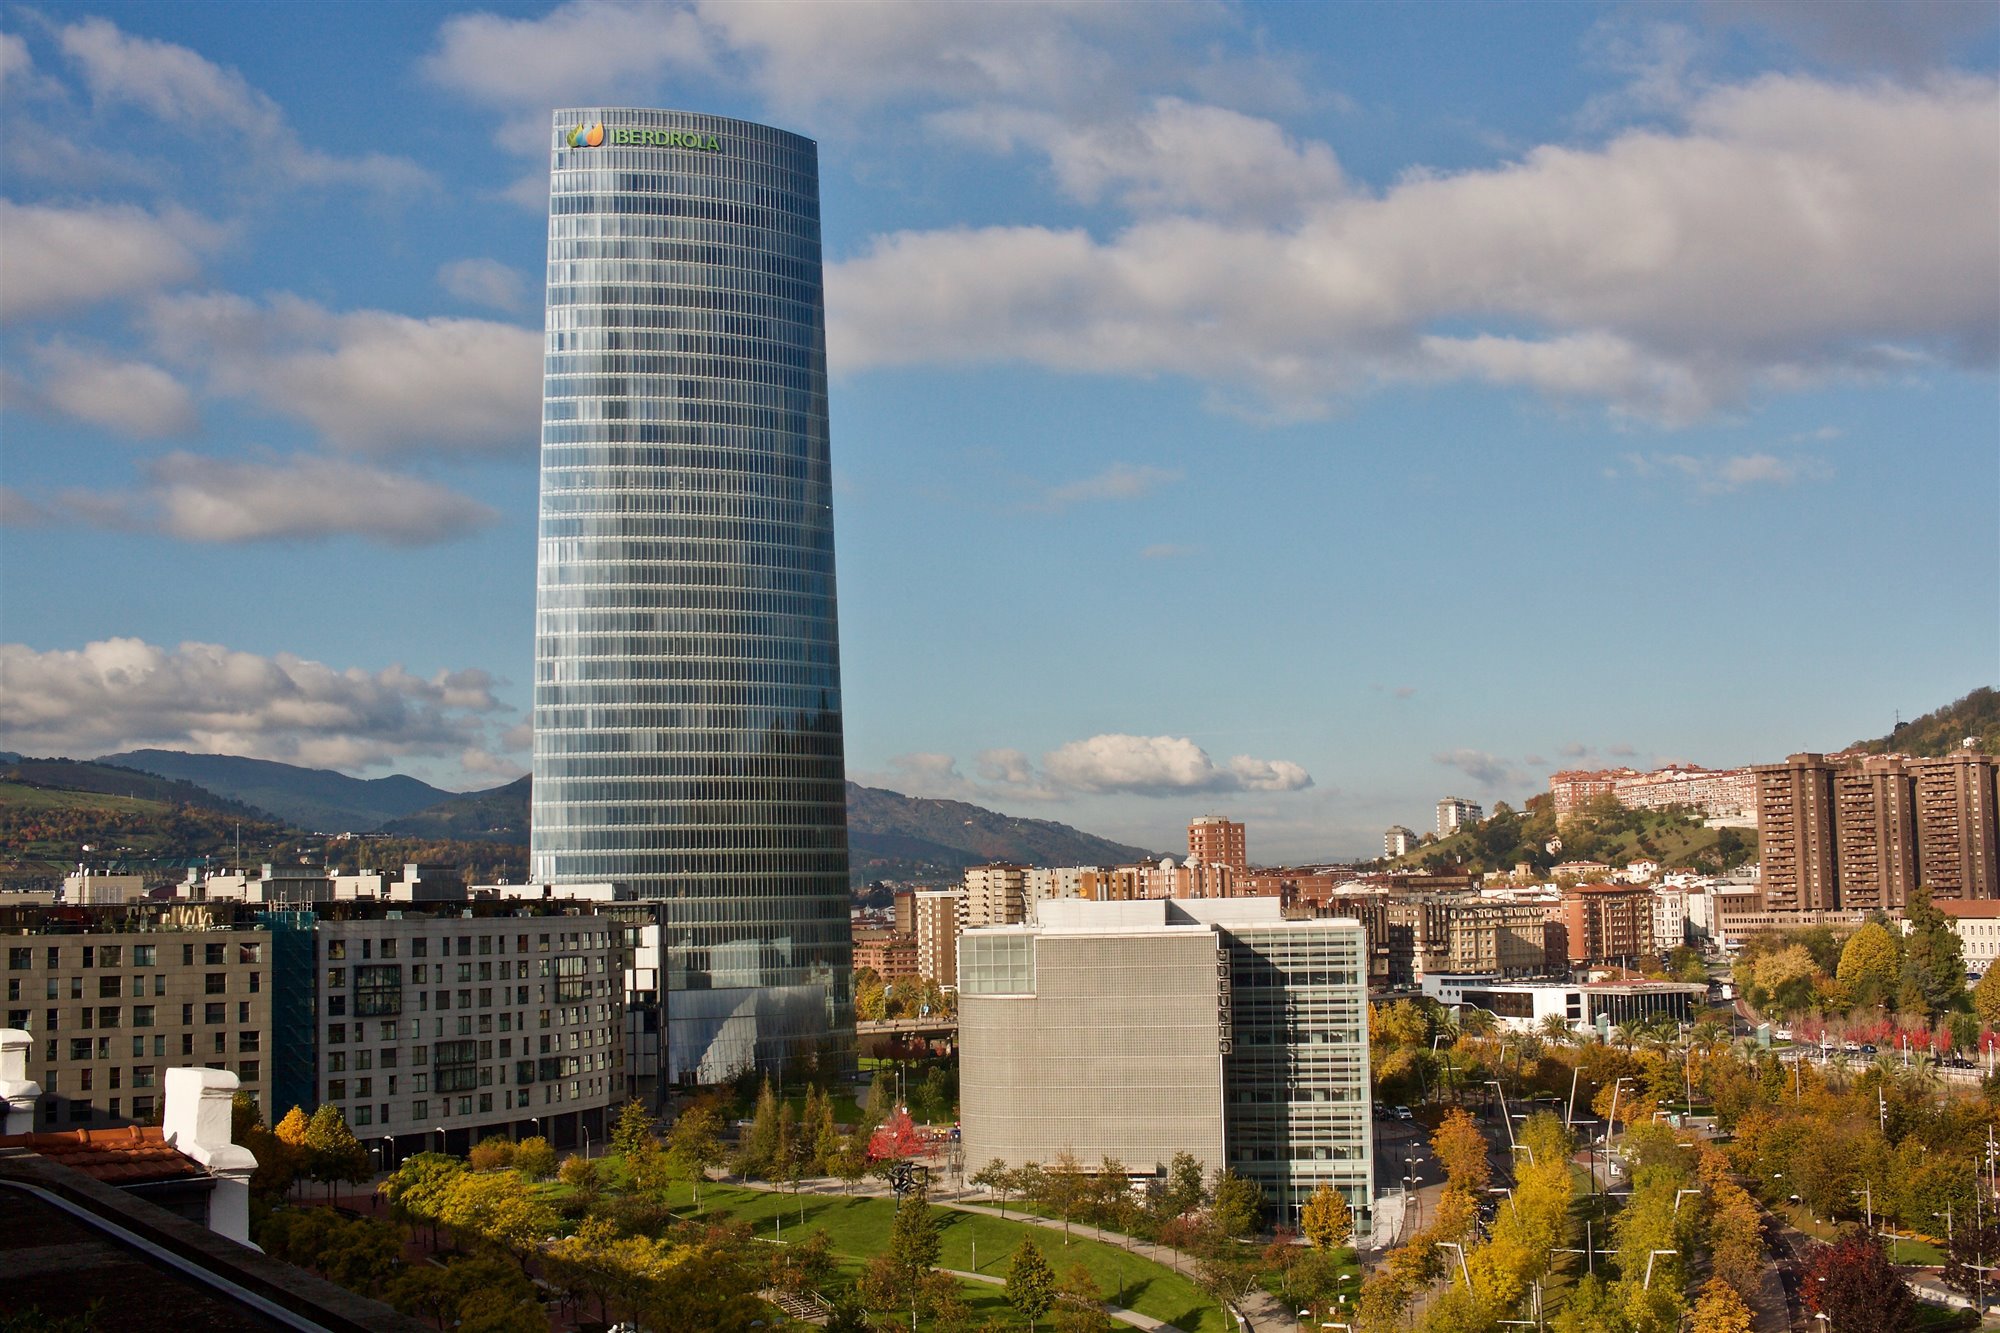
[634, 1130]
[495, 1152]
[914, 1242]
[1031, 1282]
[1079, 1303]
[694, 1144]
[492, 1206]
[1238, 1209]
[757, 1155]
[1933, 960]
[582, 1176]
[417, 1189]
[1326, 1219]
[333, 1154]
[996, 1179]
[1183, 1190]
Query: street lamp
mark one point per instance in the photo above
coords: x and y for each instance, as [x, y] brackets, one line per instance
[1650, 1256]
[1678, 1196]
[1494, 1083]
[1454, 1245]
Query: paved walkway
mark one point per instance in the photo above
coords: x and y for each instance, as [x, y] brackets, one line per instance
[1132, 1317]
[1262, 1312]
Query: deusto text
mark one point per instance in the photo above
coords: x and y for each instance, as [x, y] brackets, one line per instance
[631, 138]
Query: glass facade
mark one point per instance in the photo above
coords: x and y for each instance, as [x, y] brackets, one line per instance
[687, 666]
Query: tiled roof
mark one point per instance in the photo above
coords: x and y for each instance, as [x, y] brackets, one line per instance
[133, 1155]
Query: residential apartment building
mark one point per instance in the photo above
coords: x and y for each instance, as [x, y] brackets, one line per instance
[1607, 922]
[1219, 842]
[996, 895]
[1958, 839]
[1398, 841]
[1574, 788]
[939, 915]
[113, 997]
[1712, 792]
[1465, 934]
[1875, 832]
[1132, 1031]
[889, 956]
[1670, 918]
[1055, 882]
[1977, 924]
[432, 1030]
[1454, 811]
[1795, 832]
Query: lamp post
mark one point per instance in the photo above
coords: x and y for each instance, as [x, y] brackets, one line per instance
[1678, 1196]
[1454, 1245]
[1494, 1083]
[1650, 1256]
[1569, 1116]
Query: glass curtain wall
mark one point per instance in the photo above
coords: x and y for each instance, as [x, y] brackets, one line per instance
[687, 667]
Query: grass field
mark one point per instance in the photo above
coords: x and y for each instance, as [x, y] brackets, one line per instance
[859, 1229]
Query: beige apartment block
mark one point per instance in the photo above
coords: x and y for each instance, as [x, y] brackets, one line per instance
[113, 1006]
[996, 895]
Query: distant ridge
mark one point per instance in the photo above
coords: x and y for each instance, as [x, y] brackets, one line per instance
[116, 780]
[1942, 730]
[317, 799]
[890, 836]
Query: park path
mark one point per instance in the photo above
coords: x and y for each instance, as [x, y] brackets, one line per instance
[1132, 1317]
[1260, 1312]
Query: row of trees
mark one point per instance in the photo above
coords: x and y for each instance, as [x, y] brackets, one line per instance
[876, 998]
[1814, 970]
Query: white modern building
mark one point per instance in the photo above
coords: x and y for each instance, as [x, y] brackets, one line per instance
[1131, 1031]
[1523, 1006]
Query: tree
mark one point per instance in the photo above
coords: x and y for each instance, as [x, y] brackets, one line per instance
[492, 1206]
[1852, 1282]
[495, 1152]
[1461, 1149]
[1986, 996]
[1031, 1282]
[1869, 959]
[333, 1154]
[292, 1129]
[1184, 1190]
[1721, 1310]
[417, 1189]
[996, 1179]
[534, 1158]
[1326, 1219]
[896, 1139]
[914, 1242]
[1079, 1303]
[1239, 1205]
[1065, 1187]
[634, 1130]
[694, 1144]
[582, 1176]
[1933, 959]
[758, 1152]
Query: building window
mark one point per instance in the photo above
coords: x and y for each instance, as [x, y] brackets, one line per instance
[378, 990]
[142, 1108]
[142, 1076]
[215, 1012]
[336, 1089]
[215, 954]
[248, 1039]
[19, 960]
[336, 949]
[364, 1115]
[111, 955]
[336, 978]
[142, 1015]
[107, 1016]
[110, 988]
[456, 1065]
[145, 955]
[249, 1071]
[420, 1110]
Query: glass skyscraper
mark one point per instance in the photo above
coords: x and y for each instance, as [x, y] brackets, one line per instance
[687, 662]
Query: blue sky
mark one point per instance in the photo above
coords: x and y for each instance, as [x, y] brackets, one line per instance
[1293, 412]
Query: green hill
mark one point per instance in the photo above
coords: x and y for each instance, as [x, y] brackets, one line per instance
[1605, 831]
[1976, 715]
[44, 832]
[499, 814]
[114, 780]
[313, 798]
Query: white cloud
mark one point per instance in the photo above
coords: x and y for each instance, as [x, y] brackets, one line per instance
[1720, 476]
[486, 282]
[56, 260]
[1120, 481]
[15, 62]
[179, 87]
[1791, 230]
[119, 694]
[367, 379]
[18, 511]
[131, 397]
[1488, 770]
[1160, 765]
[1175, 156]
[300, 499]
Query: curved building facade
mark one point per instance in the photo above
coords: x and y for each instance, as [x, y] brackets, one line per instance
[687, 660]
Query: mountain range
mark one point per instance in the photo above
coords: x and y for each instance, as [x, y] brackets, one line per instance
[890, 836]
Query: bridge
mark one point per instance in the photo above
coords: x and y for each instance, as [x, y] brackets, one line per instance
[874, 1035]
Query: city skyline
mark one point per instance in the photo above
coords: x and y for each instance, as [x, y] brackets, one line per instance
[1297, 416]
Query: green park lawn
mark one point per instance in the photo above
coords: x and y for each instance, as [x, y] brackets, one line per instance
[858, 1228]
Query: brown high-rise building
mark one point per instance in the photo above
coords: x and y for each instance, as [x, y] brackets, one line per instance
[1607, 921]
[1795, 833]
[1958, 840]
[1875, 821]
[1219, 842]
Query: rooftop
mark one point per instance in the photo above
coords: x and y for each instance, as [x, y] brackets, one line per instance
[133, 1155]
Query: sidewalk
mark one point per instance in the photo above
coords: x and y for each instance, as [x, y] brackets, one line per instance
[1132, 1317]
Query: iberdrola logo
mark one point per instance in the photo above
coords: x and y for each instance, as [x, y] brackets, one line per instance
[587, 138]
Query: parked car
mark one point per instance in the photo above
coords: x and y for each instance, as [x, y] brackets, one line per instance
[1404, 1113]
